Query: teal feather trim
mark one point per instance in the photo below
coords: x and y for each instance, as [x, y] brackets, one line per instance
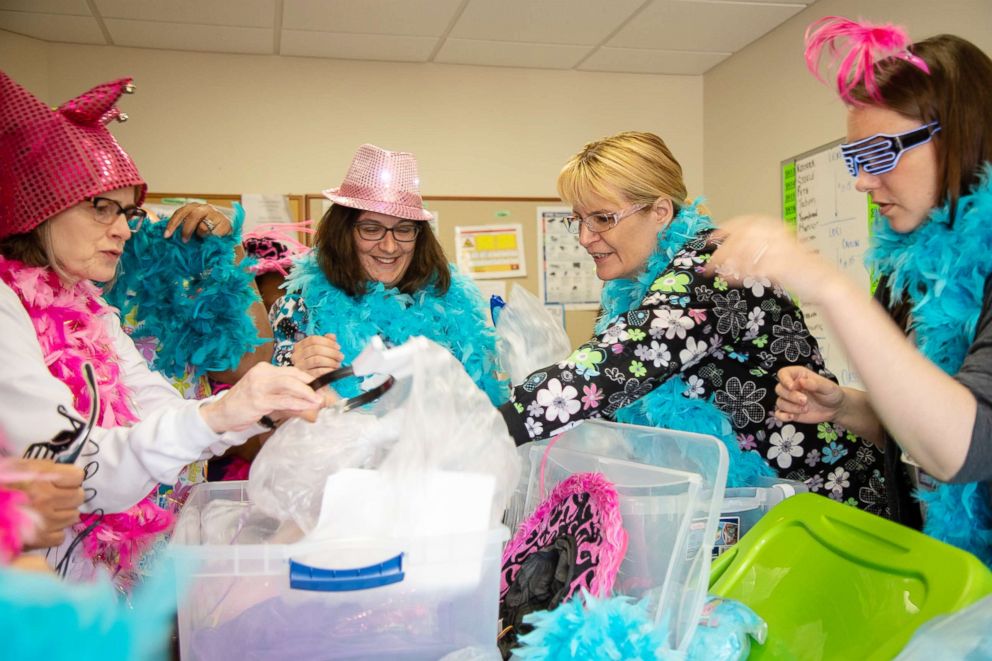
[456, 320]
[615, 628]
[666, 406]
[945, 283]
[42, 617]
[622, 294]
[191, 297]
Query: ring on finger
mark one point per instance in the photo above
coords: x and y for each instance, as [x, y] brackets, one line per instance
[210, 225]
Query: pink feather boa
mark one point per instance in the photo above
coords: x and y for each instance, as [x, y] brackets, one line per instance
[70, 329]
[854, 47]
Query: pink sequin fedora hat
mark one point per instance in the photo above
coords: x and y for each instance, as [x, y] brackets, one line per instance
[382, 181]
[51, 160]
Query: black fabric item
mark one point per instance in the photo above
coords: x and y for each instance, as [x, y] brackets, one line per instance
[541, 584]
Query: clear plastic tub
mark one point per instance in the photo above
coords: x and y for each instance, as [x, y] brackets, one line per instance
[744, 506]
[249, 600]
[670, 486]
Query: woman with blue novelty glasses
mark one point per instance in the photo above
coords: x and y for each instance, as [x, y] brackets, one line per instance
[919, 129]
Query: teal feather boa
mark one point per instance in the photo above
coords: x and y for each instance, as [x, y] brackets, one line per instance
[191, 297]
[945, 283]
[456, 320]
[667, 406]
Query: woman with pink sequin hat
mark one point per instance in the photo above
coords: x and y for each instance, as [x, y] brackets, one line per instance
[377, 269]
[75, 388]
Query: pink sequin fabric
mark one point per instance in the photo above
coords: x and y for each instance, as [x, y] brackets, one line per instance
[51, 160]
[382, 181]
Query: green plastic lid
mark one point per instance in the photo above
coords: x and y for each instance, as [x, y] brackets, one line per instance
[834, 582]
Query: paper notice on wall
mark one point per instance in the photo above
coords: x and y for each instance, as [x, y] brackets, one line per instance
[488, 252]
[261, 209]
[566, 272]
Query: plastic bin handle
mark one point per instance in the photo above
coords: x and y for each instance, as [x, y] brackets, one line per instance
[305, 577]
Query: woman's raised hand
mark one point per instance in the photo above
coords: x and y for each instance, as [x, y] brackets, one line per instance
[265, 390]
[317, 354]
[805, 396]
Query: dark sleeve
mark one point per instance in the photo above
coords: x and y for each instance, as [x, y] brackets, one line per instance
[976, 375]
[684, 317]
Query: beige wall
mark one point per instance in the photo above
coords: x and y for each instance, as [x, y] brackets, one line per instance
[761, 106]
[245, 123]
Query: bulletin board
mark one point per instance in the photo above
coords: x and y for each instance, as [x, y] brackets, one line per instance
[819, 200]
[479, 211]
[296, 202]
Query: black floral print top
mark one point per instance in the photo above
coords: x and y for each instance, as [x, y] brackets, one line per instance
[725, 344]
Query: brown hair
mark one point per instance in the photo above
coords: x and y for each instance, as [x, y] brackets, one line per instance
[337, 255]
[957, 92]
[637, 165]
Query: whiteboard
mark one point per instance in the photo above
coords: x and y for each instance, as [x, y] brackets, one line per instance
[829, 214]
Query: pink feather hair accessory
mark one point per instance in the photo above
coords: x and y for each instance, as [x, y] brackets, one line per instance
[853, 48]
[275, 245]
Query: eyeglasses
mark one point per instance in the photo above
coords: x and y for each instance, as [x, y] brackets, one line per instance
[880, 153]
[107, 210]
[403, 233]
[600, 222]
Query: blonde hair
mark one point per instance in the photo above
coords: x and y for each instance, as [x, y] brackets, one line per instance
[636, 165]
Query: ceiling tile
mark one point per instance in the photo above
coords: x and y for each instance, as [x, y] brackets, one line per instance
[53, 27]
[761, 2]
[578, 22]
[510, 54]
[636, 60]
[425, 18]
[243, 13]
[390, 48]
[701, 26]
[71, 7]
[185, 36]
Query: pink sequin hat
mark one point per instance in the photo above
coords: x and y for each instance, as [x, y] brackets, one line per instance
[382, 181]
[51, 160]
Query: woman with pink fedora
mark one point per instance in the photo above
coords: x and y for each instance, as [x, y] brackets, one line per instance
[75, 389]
[378, 269]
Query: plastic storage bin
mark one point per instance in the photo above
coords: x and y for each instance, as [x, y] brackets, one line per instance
[743, 507]
[670, 486]
[269, 601]
[834, 582]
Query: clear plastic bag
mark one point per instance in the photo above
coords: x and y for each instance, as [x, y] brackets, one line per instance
[435, 422]
[961, 636]
[529, 337]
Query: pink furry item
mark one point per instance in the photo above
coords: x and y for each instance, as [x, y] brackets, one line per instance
[274, 245]
[119, 540]
[854, 48]
[17, 521]
[585, 507]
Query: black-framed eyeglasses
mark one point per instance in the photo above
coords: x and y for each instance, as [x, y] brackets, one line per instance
[403, 233]
[601, 222]
[880, 153]
[106, 210]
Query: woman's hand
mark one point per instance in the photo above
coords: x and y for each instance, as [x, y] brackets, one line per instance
[200, 219]
[55, 494]
[761, 246]
[277, 392]
[317, 354]
[805, 396]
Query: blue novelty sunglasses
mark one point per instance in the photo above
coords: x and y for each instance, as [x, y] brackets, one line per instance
[880, 153]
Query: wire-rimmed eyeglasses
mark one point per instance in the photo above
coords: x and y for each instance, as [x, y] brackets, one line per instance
[601, 222]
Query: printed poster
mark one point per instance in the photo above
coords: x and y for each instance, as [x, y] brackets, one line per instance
[567, 274]
[488, 252]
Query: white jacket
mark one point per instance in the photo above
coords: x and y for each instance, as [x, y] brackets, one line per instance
[130, 460]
